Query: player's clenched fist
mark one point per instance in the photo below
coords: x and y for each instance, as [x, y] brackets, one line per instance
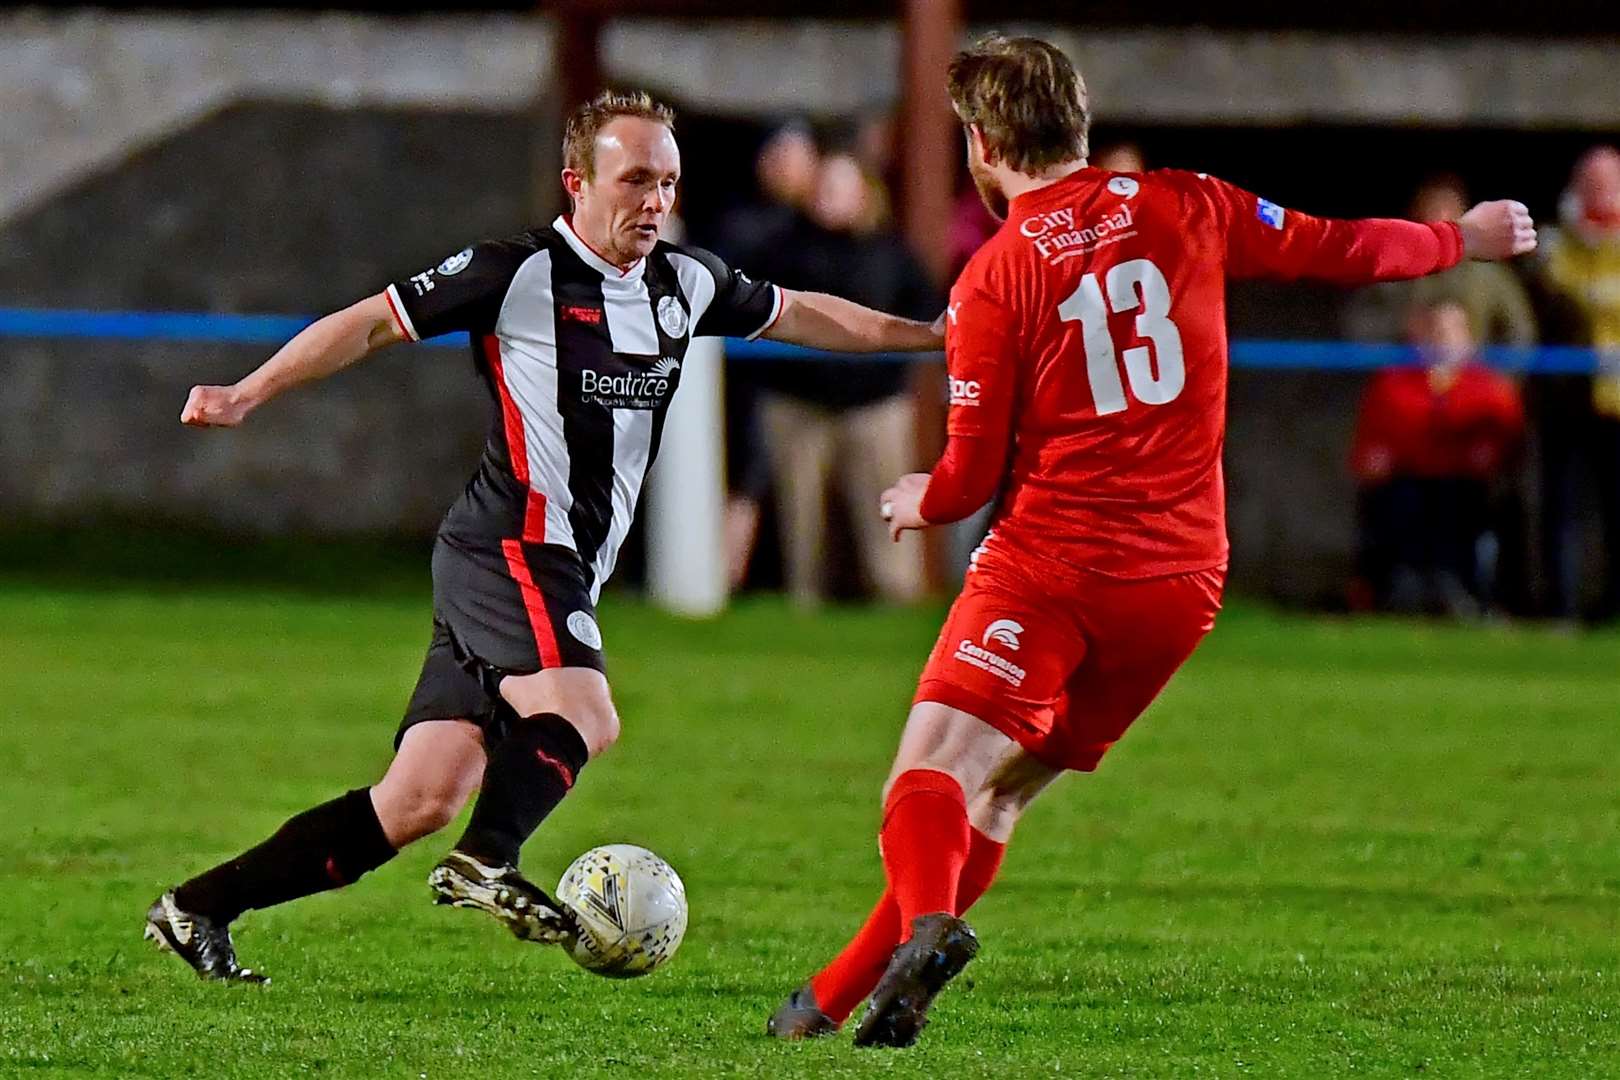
[1497, 230]
[214, 406]
[901, 505]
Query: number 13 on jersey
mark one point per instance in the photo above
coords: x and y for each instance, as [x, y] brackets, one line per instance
[1134, 284]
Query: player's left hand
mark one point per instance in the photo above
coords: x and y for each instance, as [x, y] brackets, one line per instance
[900, 506]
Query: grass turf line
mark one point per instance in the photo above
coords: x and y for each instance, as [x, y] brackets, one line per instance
[1332, 848]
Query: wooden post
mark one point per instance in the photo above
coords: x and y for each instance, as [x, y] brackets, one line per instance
[576, 75]
[928, 144]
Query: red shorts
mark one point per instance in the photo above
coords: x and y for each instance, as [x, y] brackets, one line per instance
[1063, 668]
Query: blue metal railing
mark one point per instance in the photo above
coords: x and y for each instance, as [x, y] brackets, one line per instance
[271, 330]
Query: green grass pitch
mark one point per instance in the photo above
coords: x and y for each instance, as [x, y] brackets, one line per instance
[1331, 849]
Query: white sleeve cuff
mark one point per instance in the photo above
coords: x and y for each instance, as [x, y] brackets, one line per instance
[401, 316]
[776, 312]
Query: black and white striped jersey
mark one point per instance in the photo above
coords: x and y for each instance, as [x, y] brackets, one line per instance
[581, 359]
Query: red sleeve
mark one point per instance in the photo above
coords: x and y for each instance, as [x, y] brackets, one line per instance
[981, 357]
[1264, 240]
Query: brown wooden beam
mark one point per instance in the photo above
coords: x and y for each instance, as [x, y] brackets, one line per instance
[929, 143]
[576, 75]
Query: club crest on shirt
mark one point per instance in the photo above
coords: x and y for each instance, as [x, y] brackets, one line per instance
[456, 263]
[672, 317]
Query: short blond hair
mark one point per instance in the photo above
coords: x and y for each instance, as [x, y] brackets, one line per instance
[1026, 97]
[586, 122]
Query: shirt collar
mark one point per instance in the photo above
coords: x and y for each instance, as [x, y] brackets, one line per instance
[1064, 186]
[565, 229]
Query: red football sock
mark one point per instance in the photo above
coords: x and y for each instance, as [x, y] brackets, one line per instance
[853, 973]
[841, 985]
[983, 863]
[925, 843]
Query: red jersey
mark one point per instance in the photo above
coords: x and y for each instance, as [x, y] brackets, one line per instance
[1410, 426]
[1086, 345]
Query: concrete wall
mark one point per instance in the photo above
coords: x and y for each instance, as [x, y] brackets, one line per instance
[92, 429]
[80, 91]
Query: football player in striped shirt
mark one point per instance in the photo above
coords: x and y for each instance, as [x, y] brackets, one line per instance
[579, 330]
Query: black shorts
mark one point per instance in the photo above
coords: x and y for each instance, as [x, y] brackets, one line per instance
[514, 610]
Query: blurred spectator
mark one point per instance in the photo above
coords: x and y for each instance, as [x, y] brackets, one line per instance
[873, 146]
[1430, 441]
[1499, 311]
[1580, 418]
[1120, 157]
[786, 171]
[843, 420]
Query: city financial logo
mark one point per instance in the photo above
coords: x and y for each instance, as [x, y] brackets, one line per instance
[629, 387]
[1058, 236]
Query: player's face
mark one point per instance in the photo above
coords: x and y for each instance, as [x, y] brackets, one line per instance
[995, 200]
[622, 209]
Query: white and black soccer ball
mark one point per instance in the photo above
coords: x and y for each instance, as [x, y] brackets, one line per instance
[631, 905]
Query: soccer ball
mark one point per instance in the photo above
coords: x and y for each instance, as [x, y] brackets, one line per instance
[631, 905]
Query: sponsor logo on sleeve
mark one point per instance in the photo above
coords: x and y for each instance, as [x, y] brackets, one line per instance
[422, 283]
[456, 263]
[672, 316]
[1269, 213]
[950, 311]
[965, 391]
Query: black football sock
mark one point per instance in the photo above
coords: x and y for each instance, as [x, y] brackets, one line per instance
[325, 847]
[528, 774]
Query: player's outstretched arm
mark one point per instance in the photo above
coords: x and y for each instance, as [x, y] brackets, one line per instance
[1265, 240]
[821, 321]
[323, 348]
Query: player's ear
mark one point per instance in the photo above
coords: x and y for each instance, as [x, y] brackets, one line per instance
[573, 180]
[981, 146]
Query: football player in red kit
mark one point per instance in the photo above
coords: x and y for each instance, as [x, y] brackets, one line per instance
[1086, 344]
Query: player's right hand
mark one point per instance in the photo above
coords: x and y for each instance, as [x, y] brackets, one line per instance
[1497, 230]
[214, 406]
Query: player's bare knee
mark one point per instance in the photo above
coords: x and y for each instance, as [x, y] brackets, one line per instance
[995, 815]
[409, 814]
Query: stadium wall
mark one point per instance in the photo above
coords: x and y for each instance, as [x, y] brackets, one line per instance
[81, 90]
